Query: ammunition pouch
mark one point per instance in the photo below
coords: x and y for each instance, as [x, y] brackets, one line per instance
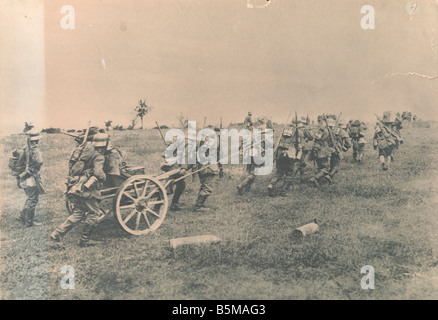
[75, 185]
[91, 183]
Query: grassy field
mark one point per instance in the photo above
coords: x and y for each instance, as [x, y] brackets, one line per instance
[368, 217]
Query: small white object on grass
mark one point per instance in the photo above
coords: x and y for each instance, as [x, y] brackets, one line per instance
[307, 229]
[174, 243]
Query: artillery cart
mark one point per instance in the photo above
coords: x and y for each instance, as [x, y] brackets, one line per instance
[137, 201]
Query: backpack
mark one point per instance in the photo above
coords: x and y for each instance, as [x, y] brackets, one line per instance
[17, 162]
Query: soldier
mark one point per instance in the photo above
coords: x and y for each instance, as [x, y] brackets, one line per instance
[206, 176]
[396, 126]
[248, 177]
[343, 143]
[86, 174]
[248, 121]
[356, 133]
[384, 140]
[321, 152]
[29, 179]
[307, 144]
[169, 165]
[287, 157]
[114, 164]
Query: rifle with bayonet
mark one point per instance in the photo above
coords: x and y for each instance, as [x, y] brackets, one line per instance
[161, 134]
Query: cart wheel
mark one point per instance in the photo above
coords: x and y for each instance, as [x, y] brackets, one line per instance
[140, 204]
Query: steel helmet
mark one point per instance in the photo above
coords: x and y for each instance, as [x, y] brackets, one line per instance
[34, 134]
[100, 139]
[330, 122]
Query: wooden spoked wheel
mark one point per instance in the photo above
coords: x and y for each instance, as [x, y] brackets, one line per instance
[140, 204]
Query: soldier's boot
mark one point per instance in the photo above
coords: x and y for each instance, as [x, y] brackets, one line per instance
[199, 206]
[174, 205]
[315, 179]
[388, 163]
[355, 157]
[22, 216]
[85, 240]
[331, 174]
[30, 219]
[56, 239]
[270, 190]
[240, 190]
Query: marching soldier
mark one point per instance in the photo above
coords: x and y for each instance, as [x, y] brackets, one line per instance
[307, 145]
[29, 179]
[356, 133]
[169, 165]
[248, 177]
[288, 155]
[343, 143]
[248, 124]
[385, 141]
[321, 152]
[206, 176]
[86, 174]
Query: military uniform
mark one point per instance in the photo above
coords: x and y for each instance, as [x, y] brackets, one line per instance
[86, 175]
[287, 158]
[321, 153]
[180, 185]
[28, 180]
[307, 147]
[248, 121]
[385, 141]
[355, 131]
[206, 176]
[343, 143]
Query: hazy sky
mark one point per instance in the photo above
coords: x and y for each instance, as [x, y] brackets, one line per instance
[214, 58]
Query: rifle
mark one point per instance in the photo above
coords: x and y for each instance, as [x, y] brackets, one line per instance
[205, 119]
[161, 133]
[70, 134]
[297, 142]
[332, 138]
[221, 169]
[339, 117]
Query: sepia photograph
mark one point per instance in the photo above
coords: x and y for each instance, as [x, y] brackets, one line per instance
[222, 150]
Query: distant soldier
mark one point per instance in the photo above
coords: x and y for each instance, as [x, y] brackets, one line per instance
[86, 175]
[343, 143]
[385, 141]
[248, 124]
[287, 157]
[321, 152]
[356, 133]
[28, 178]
